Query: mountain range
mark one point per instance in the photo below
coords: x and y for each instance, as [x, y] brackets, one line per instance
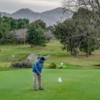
[49, 17]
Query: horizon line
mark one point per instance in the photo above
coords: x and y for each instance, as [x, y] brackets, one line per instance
[31, 10]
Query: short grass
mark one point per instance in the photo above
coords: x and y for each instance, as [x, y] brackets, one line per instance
[78, 84]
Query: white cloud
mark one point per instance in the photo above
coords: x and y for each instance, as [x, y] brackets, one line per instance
[35, 5]
[39, 1]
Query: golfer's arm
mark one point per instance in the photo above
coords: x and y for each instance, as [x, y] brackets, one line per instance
[36, 68]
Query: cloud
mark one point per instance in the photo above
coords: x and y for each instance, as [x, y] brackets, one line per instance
[35, 5]
[44, 2]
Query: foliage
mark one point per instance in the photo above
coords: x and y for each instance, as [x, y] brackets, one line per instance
[79, 33]
[22, 64]
[9, 34]
[40, 23]
[52, 66]
[8, 24]
[93, 5]
[22, 23]
[36, 33]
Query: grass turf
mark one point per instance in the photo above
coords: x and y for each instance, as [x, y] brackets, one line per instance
[77, 85]
[53, 48]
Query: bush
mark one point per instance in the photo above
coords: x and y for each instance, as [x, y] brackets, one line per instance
[22, 64]
[52, 66]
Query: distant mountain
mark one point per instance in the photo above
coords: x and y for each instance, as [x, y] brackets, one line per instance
[53, 16]
[49, 17]
[4, 14]
[25, 13]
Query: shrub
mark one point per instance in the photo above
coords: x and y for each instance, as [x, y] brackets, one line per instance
[22, 64]
[52, 66]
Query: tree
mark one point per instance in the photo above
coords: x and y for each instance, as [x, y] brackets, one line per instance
[22, 23]
[66, 32]
[94, 5]
[91, 26]
[4, 29]
[78, 33]
[8, 27]
[36, 33]
[89, 5]
[13, 24]
[40, 23]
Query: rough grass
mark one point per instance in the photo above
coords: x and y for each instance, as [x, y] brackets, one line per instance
[53, 48]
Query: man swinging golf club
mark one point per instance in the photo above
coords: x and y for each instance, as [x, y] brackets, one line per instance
[37, 69]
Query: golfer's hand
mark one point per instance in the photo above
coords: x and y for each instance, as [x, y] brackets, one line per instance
[38, 75]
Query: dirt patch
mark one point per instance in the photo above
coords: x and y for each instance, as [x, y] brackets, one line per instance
[35, 56]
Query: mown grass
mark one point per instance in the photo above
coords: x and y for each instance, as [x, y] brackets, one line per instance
[78, 84]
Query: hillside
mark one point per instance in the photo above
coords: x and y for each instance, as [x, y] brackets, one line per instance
[52, 48]
[49, 17]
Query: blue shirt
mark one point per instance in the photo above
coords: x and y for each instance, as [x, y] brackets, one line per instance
[37, 66]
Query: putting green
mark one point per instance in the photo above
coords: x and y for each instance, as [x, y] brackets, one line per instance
[77, 84]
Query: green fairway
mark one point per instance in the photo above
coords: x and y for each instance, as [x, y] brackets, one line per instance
[77, 85]
[80, 77]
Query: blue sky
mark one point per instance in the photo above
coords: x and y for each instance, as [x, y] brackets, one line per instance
[11, 6]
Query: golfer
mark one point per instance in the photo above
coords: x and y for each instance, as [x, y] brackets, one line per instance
[37, 69]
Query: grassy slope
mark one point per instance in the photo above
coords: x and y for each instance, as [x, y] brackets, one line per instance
[53, 48]
[77, 85]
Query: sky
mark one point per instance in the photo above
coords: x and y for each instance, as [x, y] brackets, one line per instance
[11, 6]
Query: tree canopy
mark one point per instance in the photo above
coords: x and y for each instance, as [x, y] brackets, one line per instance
[34, 36]
[36, 33]
[79, 33]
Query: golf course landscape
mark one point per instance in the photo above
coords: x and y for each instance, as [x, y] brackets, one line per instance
[80, 77]
[49, 49]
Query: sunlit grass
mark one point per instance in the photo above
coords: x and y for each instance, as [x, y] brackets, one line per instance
[81, 84]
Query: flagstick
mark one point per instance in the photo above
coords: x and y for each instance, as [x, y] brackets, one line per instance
[60, 84]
